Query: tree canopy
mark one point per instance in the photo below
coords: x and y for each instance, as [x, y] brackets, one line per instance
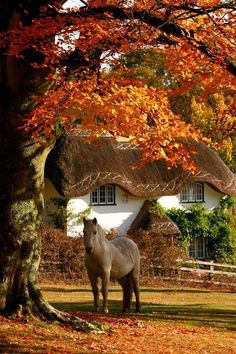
[209, 115]
[74, 47]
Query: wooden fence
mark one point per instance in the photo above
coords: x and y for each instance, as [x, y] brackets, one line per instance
[196, 271]
[193, 271]
[212, 268]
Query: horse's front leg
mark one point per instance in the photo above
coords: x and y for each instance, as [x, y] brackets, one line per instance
[105, 282]
[94, 283]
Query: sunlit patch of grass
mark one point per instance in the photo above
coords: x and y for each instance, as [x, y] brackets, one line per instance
[190, 306]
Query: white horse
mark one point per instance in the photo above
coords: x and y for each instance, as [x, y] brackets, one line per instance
[117, 259]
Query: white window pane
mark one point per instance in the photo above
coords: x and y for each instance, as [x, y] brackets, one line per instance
[110, 194]
[191, 192]
[94, 197]
[184, 195]
[192, 248]
[200, 247]
[199, 192]
[197, 248]
[102, 195]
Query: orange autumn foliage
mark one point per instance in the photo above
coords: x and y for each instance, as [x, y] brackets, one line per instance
[72, 45]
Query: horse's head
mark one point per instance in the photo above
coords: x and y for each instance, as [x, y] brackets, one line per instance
[90, 233]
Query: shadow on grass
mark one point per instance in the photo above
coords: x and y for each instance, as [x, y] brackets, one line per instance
[196, 314]
[142, 290]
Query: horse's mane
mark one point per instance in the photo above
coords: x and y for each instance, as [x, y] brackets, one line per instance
[101, 232]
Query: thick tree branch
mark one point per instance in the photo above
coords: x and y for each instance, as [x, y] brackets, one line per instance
[198, 10]
[166, 26]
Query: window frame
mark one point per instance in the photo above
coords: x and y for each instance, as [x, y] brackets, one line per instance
[102, 194]
[190, 193]
[195, 251]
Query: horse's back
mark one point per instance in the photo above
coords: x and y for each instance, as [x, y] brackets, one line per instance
[125, 257]
[125, 245]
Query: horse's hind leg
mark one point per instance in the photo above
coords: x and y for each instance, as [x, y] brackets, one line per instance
[135, 281]
[122, 282]
[105, 282]
[127, 287]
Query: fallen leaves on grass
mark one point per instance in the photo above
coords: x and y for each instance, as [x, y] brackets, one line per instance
[128, 335]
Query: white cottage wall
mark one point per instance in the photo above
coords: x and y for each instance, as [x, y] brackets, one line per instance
[170, 201]
[118, 217]
[211, 200]
[121, 215]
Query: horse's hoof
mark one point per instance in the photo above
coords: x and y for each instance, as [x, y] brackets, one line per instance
[105, 310]
[126, 310]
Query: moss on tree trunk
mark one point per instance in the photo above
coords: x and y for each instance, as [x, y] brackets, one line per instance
[21, 185]
[21, 208]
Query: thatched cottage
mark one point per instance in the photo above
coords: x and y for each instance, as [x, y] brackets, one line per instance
[97, 179]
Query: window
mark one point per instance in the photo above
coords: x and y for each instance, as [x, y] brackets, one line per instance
[197, 248]
[192, 193]
[103, 195]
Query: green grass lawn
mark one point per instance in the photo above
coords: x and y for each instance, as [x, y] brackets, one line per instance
[189, 306]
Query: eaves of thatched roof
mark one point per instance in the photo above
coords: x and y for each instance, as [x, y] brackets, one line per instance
[76, 167]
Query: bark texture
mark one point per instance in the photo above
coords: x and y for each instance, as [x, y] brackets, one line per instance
[21, 183]
[21, 186]
[21, 205]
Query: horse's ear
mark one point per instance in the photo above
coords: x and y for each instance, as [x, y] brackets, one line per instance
[84, 221]
[95, 221]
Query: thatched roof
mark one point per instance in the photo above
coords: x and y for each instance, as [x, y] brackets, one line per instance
[163, 225]
[76, 167]
[150, 221]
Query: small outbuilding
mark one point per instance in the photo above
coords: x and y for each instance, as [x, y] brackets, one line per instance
[148, 219]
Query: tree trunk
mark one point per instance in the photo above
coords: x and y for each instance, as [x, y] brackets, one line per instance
[21, 197]
[21, 205]
[21, 184]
